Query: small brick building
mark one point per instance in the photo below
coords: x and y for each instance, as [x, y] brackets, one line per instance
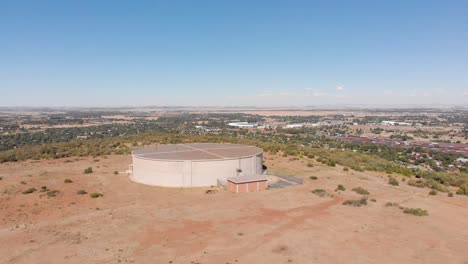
[243, 184]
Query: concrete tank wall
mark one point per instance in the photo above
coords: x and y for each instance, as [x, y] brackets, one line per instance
[187, 173]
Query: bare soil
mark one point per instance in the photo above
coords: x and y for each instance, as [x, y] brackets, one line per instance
[134, 223]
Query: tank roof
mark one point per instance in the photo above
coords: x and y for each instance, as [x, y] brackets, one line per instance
[197, 151]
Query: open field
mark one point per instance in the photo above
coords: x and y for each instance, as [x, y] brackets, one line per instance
[133, 223]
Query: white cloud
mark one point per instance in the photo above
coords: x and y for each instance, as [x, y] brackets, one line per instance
[465, 93]
[339, 88]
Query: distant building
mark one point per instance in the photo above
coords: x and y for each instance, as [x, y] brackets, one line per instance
[295, 126]
[243, 124]
[394, 123]
[462, 160]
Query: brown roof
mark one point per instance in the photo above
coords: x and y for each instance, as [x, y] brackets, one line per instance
[197, 151]
[249, 178]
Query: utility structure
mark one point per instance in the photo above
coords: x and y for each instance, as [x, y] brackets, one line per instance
[195, 164]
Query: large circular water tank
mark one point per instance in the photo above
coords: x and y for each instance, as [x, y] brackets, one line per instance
[195, 164]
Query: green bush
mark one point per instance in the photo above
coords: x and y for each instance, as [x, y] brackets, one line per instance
[463, 190]
[417, 183]
[81, 192]
[433, 192]
[67, 181]
[415, 211]
[44, 189]
[358, 203]
[30, 190]
[345, 169]
[361, 191]
[389, 204]
[52, 193]
[320, 192]
[313, 178]
[435, 185]
[340, 187]
[88, 170]
[96, 195]
[393, 181]
[310, 164]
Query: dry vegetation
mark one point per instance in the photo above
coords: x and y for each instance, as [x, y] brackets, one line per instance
[131, 223]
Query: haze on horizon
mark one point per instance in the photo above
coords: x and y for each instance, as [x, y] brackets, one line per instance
[242, 53]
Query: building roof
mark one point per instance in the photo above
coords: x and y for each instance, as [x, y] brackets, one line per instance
[247, 178]
[197, 151]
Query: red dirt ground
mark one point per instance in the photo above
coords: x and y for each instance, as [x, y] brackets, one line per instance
[134, 223]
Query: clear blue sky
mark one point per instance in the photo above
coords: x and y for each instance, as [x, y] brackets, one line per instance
[115, 53]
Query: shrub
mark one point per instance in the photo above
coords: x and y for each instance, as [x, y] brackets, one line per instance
[116, 172]
[340, 187]
[361, 191]
[30, 190]
[433, 192]
[96, 195]
[416, 183]
[345, 169]
[450, 194]
[373, 200]
[393, 181]
[88, 170]
[463, 190]
[67, 181]
[81, 192]
[435, 185]
[23, 182]
[320, 192]
[358, 203]
[389, 204]
[1, 178]
[44, 189]
[310, 164]
[313, 178]
[52, 193]
[430, 183]
[415, 211]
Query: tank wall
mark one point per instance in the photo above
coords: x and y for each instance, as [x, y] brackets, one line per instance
[206, 173]
[192, 173]
[159, 173]
[259, 164]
